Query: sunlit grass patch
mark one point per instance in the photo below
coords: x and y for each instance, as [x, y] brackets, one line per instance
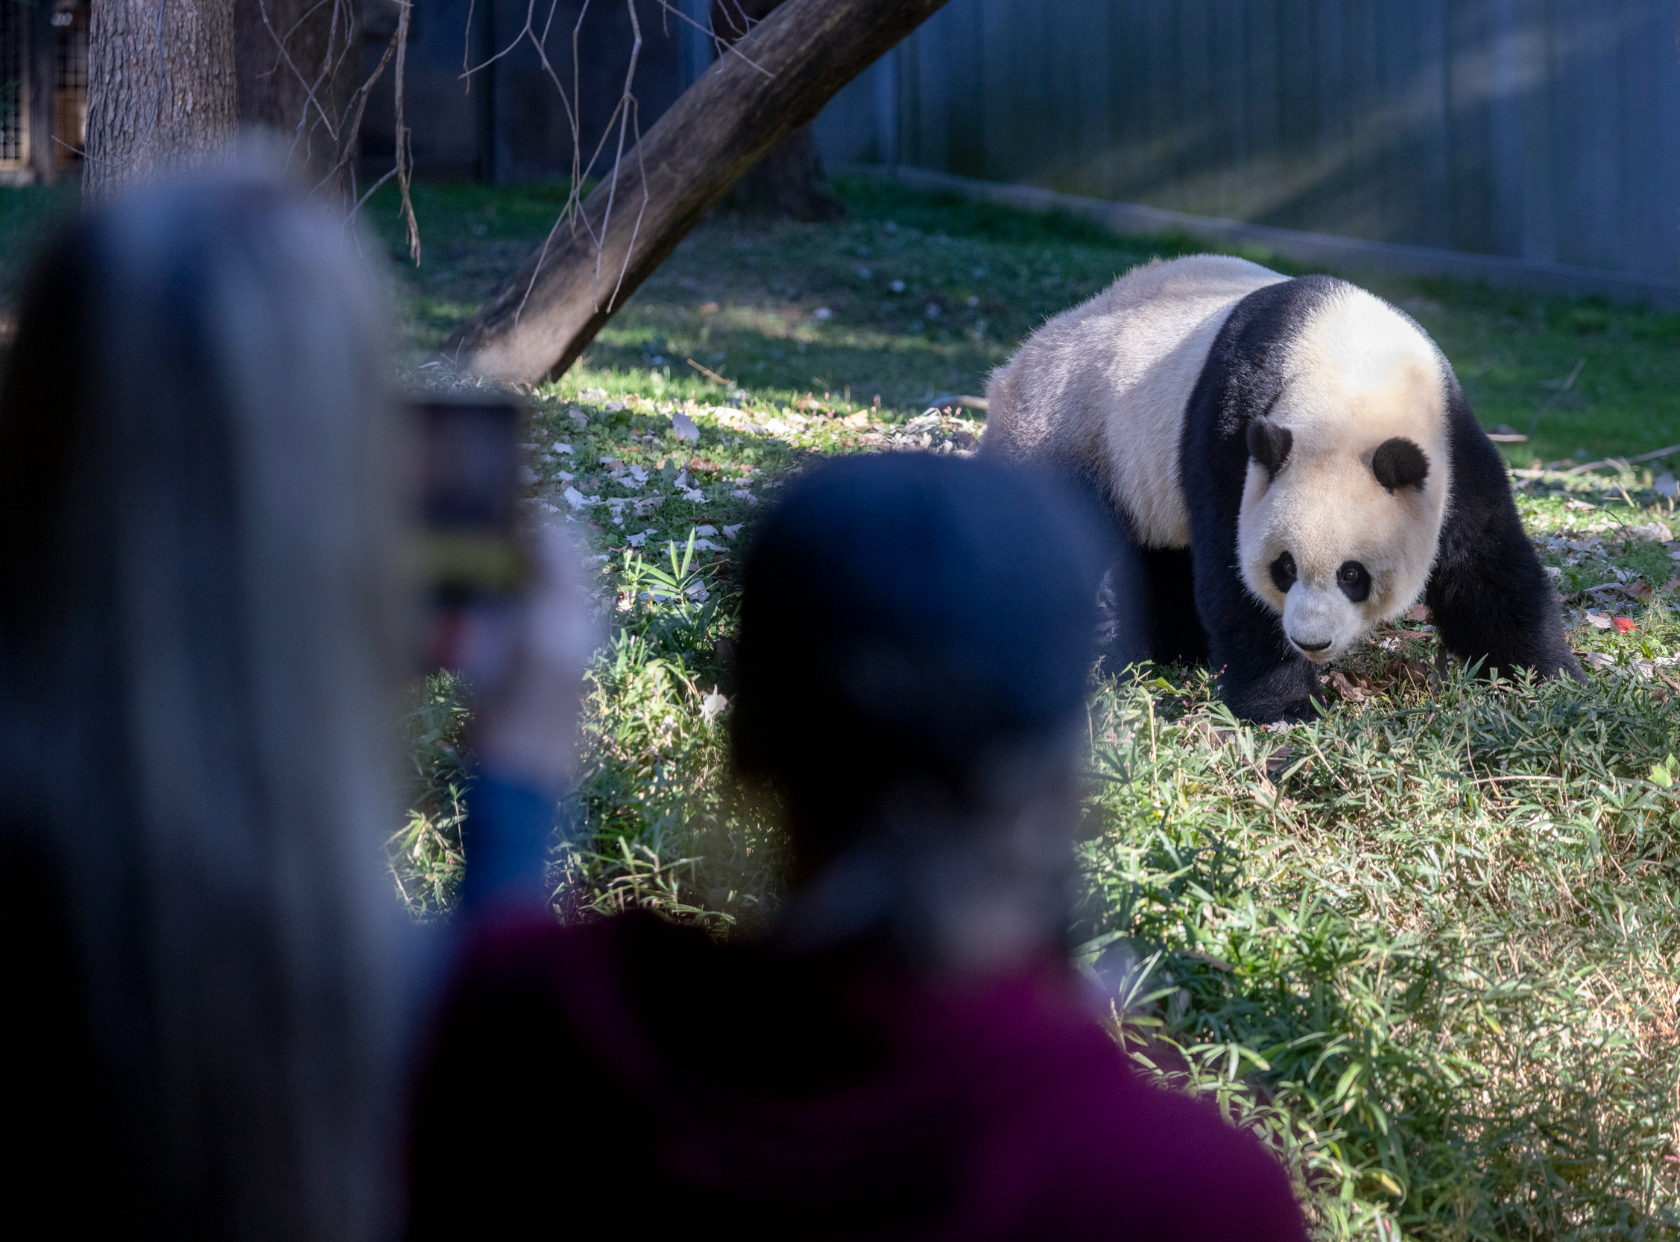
[1582, 377]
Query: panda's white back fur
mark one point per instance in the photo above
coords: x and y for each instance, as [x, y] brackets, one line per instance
[1101, 388]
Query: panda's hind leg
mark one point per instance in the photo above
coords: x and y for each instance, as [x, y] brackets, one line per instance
[1151, 596]
[1176, 635]
[1127, 600]
[1491, 599]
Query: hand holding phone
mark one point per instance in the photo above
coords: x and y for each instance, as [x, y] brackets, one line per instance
[508, 609]
[526, 710]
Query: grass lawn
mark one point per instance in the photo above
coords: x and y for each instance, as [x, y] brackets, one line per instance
[1426, 945]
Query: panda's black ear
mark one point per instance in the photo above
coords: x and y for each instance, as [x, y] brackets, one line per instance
[1399, 463]
[1269, 444]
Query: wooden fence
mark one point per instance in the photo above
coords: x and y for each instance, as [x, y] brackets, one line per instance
[1546, 130]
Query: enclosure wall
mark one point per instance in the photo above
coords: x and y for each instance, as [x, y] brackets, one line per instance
[1538, 129]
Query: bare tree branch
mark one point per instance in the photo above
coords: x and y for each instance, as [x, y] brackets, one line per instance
[627, 109]
[403, 152]
[790, 65]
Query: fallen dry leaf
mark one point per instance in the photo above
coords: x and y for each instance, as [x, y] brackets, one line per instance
[1624, 625]
[1637, 590]
[1398, 675]
[711, 707]
[1417, 673]
[1409, 636]
[1347, 687]
[1207, 731]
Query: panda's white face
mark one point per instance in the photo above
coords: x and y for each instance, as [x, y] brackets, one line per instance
[1347, 478]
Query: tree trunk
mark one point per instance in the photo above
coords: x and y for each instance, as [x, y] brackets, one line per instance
[161, 91]
[776, 80]
[789, 180]
[297, 72]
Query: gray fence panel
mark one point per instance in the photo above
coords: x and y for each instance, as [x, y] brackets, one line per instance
[1546, 130]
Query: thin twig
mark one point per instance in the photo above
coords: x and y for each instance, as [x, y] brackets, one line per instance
[309, 99]
[358, 102]
[368, 193]
[711, 374]
[1617, 461]
[618, 161]
[625, 119]
[641, 213]
[720, 46]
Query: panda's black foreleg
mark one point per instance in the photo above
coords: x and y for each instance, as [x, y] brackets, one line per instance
[1261, 678]
[1490, 597]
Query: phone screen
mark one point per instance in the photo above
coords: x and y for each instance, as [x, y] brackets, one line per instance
[474, 557]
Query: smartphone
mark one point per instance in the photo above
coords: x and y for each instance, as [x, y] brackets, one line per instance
[473, 552]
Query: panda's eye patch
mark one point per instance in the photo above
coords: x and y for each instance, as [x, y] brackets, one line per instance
[1283, 572]
[1355, 581]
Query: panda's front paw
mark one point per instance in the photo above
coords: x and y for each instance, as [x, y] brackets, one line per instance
[1303, 711]
[1287, 693]
[1299, 712]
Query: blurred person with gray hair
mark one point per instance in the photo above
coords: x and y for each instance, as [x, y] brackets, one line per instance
[198, 611]
[206, 617]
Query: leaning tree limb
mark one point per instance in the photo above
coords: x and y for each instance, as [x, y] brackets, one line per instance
[771, 83]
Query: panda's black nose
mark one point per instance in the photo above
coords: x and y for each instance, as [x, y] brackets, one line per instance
[1311, 646]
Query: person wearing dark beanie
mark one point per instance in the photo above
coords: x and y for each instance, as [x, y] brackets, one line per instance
[907, 1052]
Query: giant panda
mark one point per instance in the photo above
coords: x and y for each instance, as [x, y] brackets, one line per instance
[1290, 462]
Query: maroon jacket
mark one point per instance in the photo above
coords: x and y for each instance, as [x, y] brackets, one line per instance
[630, 1078]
